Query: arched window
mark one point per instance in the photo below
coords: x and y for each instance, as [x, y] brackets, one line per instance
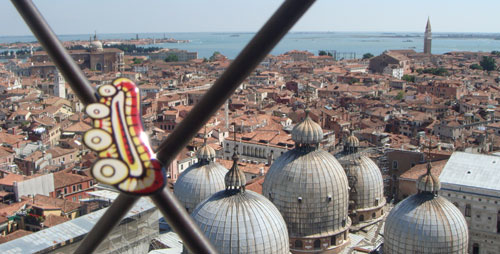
[298, 244]
[361, 217]
[373, 215]
[475, 248]
[317, 244]
[98, 67]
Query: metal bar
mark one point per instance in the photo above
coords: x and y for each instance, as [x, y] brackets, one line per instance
[272, 32]
[49, 41]
[260, 45]
[82, 88]
[177, 218]
[115, 213]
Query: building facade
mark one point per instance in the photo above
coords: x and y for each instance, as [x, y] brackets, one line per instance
[471, 183]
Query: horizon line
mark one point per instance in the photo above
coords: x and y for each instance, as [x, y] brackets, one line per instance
[254, 32]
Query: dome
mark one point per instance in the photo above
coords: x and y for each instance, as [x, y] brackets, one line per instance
[426, 223]
[96, 46]
[369, 184]
[205, 152]
[239, 221]
[242, 223]
[199, 182]
[310, 189]
[352, 141]
[428, 182]
[307, 131]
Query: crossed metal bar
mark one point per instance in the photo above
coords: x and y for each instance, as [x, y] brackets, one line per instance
[176, 216]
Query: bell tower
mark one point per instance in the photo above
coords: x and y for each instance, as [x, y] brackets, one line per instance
[428, 38]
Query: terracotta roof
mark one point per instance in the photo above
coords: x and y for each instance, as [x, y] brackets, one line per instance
[52, 220]
[10, 179]
[415, 172]
[47, 202]
[14, 235]
[78, 127]
[256, 185]
[62, 179]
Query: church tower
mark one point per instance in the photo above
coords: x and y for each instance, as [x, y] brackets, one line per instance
[59, 85]
[428, 37]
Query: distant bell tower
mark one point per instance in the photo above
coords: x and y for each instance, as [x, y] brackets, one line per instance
[59, 85]
[428, 37]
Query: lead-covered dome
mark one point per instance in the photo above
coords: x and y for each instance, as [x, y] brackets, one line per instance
[200, 180]
[239, 221]
[310, 189]
[307, 131]
[369, 184]
[426, 223]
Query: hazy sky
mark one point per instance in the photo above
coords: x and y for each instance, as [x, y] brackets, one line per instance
[141, 16]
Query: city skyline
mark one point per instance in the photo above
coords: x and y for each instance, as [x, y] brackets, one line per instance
[235, 16]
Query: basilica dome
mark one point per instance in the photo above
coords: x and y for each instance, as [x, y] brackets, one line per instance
[366, 184]
[369, 184]
[239, 221]
[96, 46]
[200, 180]
[310, 189]
[426, 223]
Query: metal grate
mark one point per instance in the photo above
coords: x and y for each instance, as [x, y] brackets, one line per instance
[177, 217]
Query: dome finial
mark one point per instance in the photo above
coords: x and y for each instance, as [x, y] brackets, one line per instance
[235, 179]
[205, 152]
[428, 182]
[307, 132]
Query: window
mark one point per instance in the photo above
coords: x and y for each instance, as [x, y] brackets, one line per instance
[298, 244]
[74, 187]
[317, 244]
[361, 218]
[467, 210]
[498, 222]
[74, 198]
[475, 248]
[333, 240]
[395, 164]
[374, 215]
[456, 204]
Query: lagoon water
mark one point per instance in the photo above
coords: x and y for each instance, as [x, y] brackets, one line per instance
[230, 44]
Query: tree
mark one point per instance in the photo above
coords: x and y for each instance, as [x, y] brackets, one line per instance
[367, 56]
[495, 52]
[475, 66]
[409, 78]
[171, 58]
[488, 63]
[136, 60]
[214, 56]
[400, 95]
[434, 71]
[322, 53]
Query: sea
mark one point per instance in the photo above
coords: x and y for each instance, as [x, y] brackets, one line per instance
[348, 44]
